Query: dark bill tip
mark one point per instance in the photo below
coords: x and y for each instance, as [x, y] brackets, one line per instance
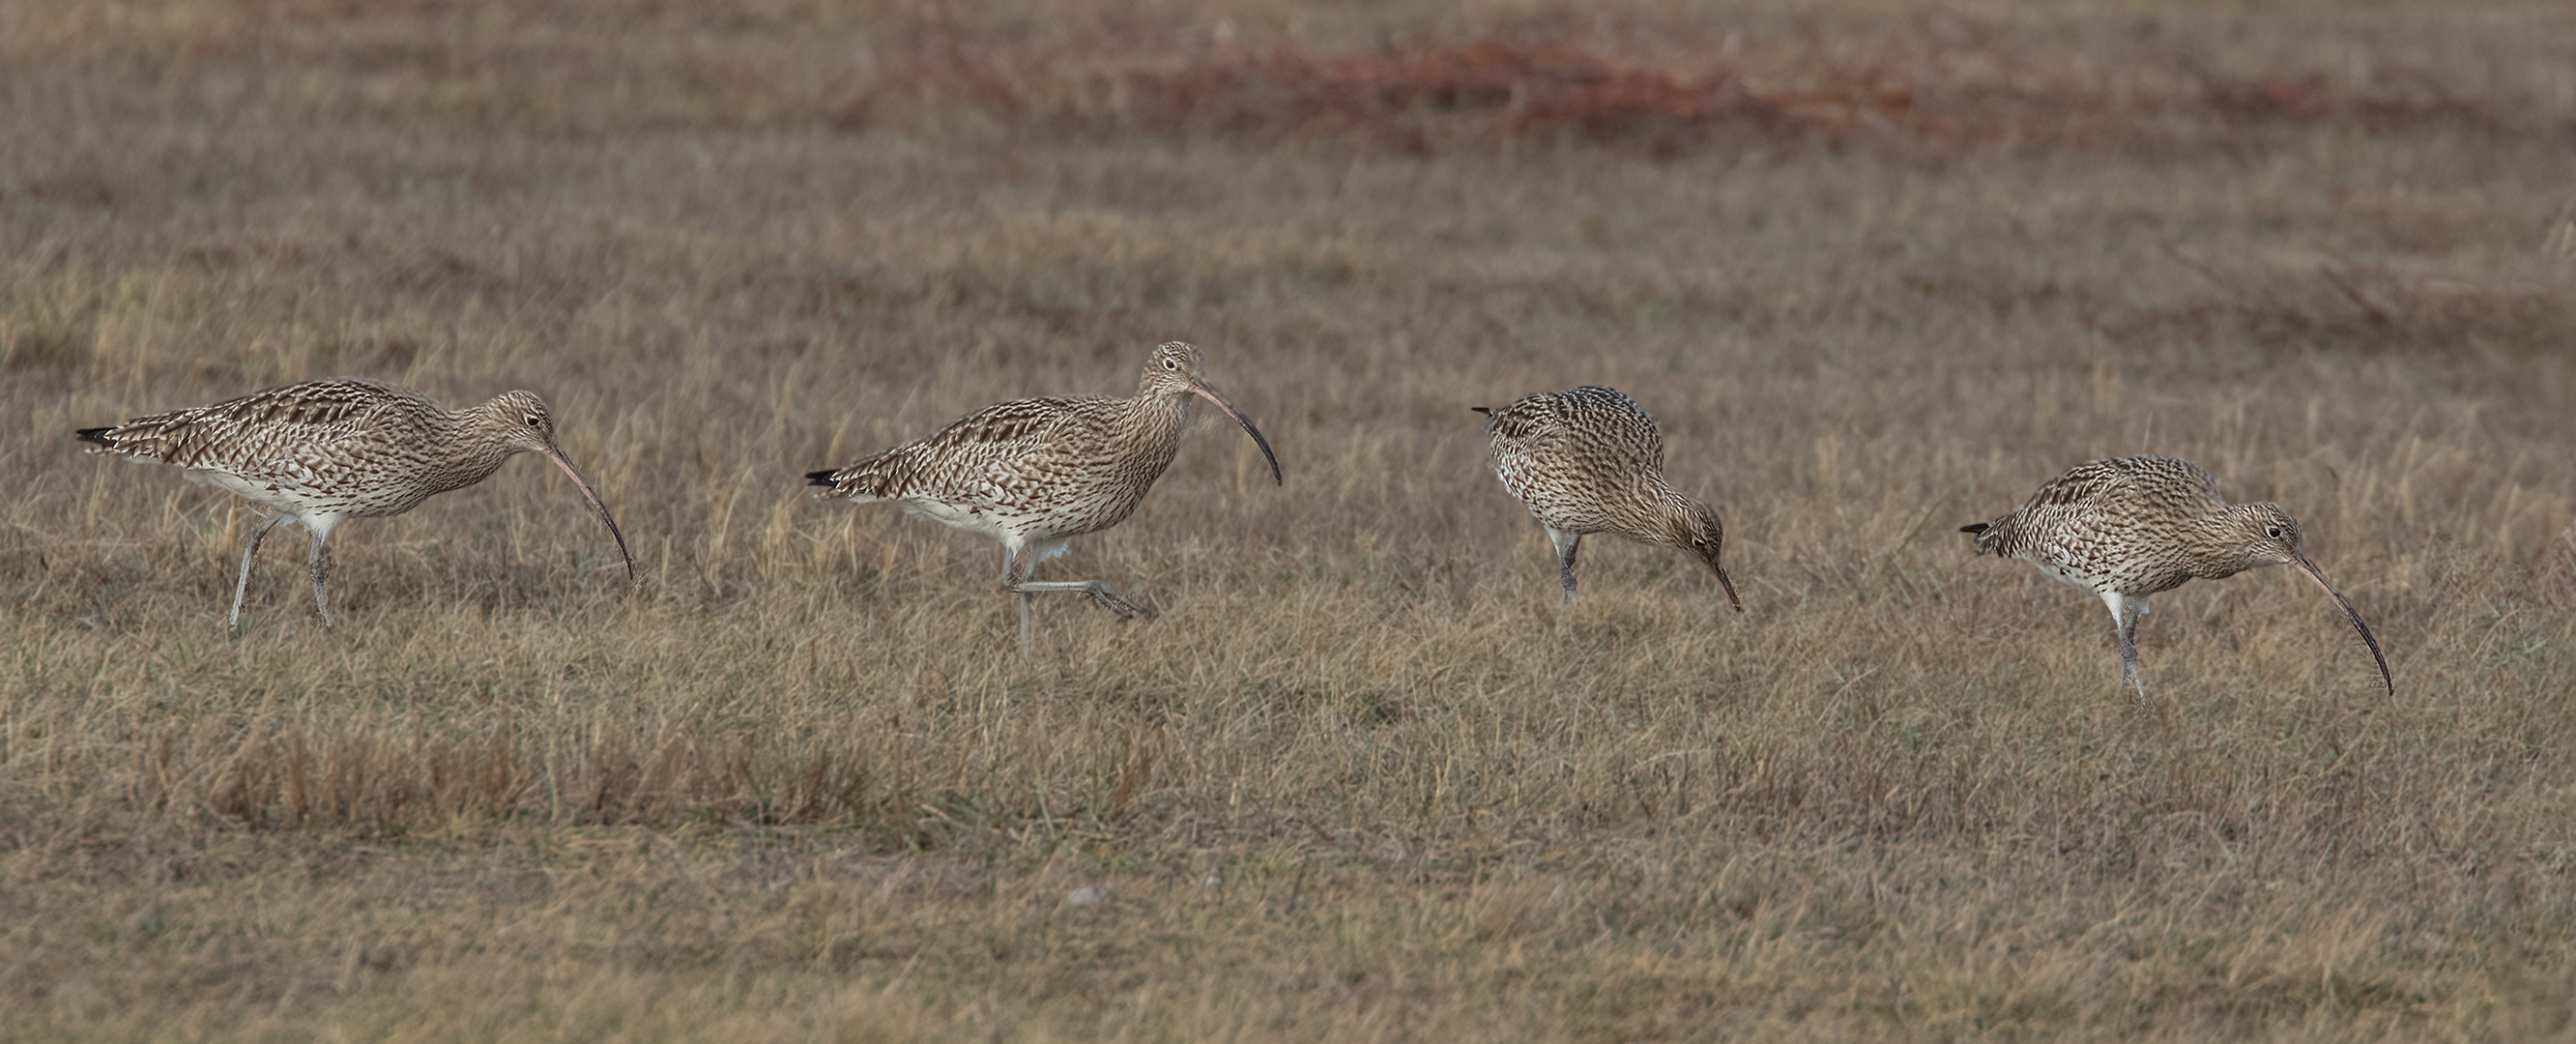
[597, 507]
[2354, 615]
[1729, 585]
[1212, 395]
[1276, 478]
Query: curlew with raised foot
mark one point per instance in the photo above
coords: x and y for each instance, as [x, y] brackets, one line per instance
[2131, 527]
[1591, 460]
[322, 452]
[1035, 473]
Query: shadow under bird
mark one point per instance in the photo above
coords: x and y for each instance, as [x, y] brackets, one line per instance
[1034, 473]
[322, 452]
[1591, 460]
[2131, 527]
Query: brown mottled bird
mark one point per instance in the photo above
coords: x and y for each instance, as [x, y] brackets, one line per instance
[1591, 460]
[322, 452]
[1034, 473]
[2131, 527]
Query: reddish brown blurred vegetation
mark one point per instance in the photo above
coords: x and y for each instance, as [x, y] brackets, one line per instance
[1434, 97]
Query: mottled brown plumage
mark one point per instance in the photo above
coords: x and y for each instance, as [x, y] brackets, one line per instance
[1034, 473]
[1591, 460]
[321, 452]
[2131, 527]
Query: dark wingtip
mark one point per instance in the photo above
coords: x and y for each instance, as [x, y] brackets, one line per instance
[820, 478]
[97, 435]
[1486, 410]
[1975, 528]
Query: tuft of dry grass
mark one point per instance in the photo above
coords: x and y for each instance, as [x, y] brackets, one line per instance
[1879, 272]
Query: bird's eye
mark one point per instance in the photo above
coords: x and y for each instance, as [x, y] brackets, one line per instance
[533, 420]
[1171, 364]
[2273, 531]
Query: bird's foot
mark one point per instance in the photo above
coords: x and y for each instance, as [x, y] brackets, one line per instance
[2135, 687]
[1105, 596]
[1117, 603]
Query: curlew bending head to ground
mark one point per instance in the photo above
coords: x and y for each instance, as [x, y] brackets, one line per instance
[322, 452]
[1591, 460]
[2130, 527]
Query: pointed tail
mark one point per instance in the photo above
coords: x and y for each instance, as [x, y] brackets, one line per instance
[97, 435]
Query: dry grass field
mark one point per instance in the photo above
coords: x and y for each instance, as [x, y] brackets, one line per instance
[1880, 269]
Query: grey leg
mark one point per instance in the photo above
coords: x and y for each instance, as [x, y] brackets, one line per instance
[1026, 639]
[1011, 582]
[1566, 543]
[1014, 579]
[241, 585]
[2129, 647]
[1107, 596]
[2124, 619]
[318, 566]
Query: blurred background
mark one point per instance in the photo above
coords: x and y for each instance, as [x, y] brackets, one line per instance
[1879, 269]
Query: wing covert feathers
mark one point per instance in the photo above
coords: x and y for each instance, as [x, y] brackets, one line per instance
[260, 426]
[998, 432]
[2146, 485]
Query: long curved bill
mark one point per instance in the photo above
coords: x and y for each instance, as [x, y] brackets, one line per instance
[1212, 395]
[601, 509]
[2310, 568]
[1729, 585]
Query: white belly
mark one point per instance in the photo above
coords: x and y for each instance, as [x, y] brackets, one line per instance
[970, 519]
[278, 498]
[2053, 561]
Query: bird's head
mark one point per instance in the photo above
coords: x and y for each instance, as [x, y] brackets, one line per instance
[2266, 535]
[2269, 536]
[526, 426]
[1173, 373]
[1696, 528]
[524, 423]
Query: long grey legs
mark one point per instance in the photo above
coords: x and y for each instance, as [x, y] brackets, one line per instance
[317, 565]
[241, 584]
[1566, 543]
[2124, 613]
[1016, 567]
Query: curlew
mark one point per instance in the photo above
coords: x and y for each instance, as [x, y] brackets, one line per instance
[1591, 460]
[322, 452]
[2131, 527]
[1035, 473]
